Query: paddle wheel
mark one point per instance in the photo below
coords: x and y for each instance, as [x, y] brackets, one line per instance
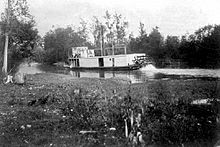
[143, 60]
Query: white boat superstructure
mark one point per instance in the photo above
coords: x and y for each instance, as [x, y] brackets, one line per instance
[84, 58]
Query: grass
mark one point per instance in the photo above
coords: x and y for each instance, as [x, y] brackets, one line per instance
[51, 109]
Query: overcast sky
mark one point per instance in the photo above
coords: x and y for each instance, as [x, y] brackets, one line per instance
[173, 17]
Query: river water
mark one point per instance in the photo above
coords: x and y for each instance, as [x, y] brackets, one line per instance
[136, 76]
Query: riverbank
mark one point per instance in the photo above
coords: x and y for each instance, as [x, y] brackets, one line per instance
[51, 109]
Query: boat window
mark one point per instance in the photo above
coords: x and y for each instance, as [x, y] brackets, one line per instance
[101, 62]
[77, 62]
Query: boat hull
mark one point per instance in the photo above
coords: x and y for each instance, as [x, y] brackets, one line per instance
[131, 67]
[112, 62]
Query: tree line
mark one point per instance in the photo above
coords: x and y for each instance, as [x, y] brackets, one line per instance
[198, 50]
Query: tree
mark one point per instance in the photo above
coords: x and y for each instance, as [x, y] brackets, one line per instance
[151, 44]
[155, 44]
[203, 32]
[208, 46]
[18, 27]
[202, 49]
[171, 46]
[58, 42]
[120, 25]
[5, 62]
[139, 44]
[112, 31]
[142, 31]
[83, 31]
[110, 27]
[23, 39]
[98, 31]
[2, 39]
[38, 52]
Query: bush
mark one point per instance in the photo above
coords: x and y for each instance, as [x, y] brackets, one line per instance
[165, 120]
[178, 122]
[167, 116]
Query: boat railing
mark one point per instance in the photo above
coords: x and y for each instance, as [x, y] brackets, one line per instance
[114, 51]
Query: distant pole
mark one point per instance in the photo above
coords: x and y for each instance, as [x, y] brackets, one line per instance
[101, 45]
[113, 51]
[102, 40]
[125, 50]
[5, 64]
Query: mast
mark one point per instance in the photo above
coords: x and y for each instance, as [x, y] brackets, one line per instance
[5, 63]
[102, 41]
[125, 48]
[113, 50]
[101, 46]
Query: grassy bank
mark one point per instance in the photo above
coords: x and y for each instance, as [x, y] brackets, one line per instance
[51, 110]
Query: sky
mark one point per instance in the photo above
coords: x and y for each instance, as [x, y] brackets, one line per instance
[173, 17]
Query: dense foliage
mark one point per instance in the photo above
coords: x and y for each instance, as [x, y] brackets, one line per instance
[200, 49]
[22, 32]
[58, 43]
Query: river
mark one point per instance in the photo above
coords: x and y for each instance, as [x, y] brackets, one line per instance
[136, 76]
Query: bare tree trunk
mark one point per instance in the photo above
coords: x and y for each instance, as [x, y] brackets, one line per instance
[126, 128]
[5, 63]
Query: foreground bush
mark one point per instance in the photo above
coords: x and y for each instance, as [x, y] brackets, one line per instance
[179, 122]
[162, 121]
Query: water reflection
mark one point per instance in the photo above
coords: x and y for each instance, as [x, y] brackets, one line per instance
[133, 76]
[141, 75]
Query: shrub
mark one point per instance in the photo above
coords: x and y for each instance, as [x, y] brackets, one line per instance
[178, 122]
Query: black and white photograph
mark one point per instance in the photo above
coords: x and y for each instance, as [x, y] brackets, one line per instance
[110, 73]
